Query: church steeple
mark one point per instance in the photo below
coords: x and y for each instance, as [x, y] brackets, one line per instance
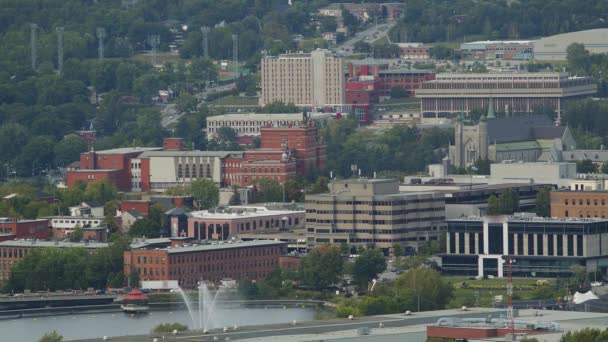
[491, 114]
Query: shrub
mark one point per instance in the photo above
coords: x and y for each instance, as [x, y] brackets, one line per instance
[169, 327]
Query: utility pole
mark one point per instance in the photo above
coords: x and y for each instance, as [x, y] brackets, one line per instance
[59, 50]
[154, 41]
[205, 32]
[33, 28]
[510, 318]
[101, 34]
[235, 54]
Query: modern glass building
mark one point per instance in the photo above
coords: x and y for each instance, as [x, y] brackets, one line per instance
[543, 247]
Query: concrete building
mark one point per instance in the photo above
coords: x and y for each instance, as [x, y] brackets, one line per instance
[578, 203]
[519, 138]
[190, 263]
[88, 209]
[11, 252]
[224, 223]
[314, 79]
[547, 173]
[542, 247]
[373, 212]
[553, 48]
[248, 125]
[513, 93]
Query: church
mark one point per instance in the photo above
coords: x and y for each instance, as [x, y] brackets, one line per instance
[516, 138]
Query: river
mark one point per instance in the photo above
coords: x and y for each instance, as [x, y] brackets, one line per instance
[82, 326]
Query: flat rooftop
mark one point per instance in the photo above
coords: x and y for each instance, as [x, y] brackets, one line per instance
[570, 220]
[229, 244]
[10, 220]
[170, 154]
[128, 150]
[52, 244]
[243, 212]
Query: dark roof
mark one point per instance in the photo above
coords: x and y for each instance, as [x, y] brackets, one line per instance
[522, 128]
[550, 132]
[176, 212]
[135, 214]
[93, 204]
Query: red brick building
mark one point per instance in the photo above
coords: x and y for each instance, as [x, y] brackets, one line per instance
[114, 165]
[173, 144]
[25, 229]
[99, 234]
[388, 78]
[11, 252]
[142, 207]
[191, 263]
[303, 141]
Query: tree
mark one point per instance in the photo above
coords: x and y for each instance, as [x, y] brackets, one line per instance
[267, 190]
[586, 166]
[101, 191]
[51, 337]
[77, 234]
[493, 205]
[186, 102]
[578, 59]
[427, 288]
[145, 227]
[133, 280]
[587, 335]
[362, 47]
[235, 199]
[69, 149]
[322, 267]
[605, 167]
[205, 193]
[367, 266]
[398, 93]
[543, 203]
[226, 139]
[397, 250]
[482, 166]
[508, 202]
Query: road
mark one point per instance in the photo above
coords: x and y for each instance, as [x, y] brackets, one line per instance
[169, 114]
[379, 31]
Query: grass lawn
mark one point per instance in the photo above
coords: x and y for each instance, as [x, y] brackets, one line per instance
[482, 292]
[161, 58]
[233, 100]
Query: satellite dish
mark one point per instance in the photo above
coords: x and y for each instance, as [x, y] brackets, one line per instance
[185, 27]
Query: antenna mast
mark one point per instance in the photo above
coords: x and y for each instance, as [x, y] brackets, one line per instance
[33, 28]
[101, 34]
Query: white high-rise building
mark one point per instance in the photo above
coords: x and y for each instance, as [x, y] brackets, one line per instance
[314, 79]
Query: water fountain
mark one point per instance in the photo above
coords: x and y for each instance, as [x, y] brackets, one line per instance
[206, 307]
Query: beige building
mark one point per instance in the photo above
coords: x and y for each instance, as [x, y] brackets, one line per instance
[314, 79]
[513, 93]
[554, 48]
[373, 212]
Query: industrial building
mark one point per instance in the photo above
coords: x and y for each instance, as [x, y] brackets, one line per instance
[554, 48]
[541, 247]
[374, 212]
[189, 262]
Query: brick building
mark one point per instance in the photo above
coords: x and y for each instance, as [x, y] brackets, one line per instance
[193, 262]
[114, 165]
[99, 234]
[141, 206]
[24, 229]
[581, 204]
[11, 252]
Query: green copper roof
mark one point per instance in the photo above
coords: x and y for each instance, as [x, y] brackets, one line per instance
[491, 114]
[518, 146]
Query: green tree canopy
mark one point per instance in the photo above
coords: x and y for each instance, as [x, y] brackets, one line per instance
[51, 337]
[543, 203]
[367, 266]
[205, 193]
[322, 267]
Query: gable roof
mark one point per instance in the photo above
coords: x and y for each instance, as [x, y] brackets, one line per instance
[521, 128]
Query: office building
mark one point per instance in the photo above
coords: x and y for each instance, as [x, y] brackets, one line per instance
[513, 93]
[314, 79]
[11, 252]
[373, 212]
[541, 247]
[191, 262]
[498, 49]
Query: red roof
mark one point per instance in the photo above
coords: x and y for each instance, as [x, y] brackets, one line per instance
[136, 294]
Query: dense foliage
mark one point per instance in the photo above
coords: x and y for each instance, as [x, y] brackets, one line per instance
[439, 20]
[69, 268]
[400, 149]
